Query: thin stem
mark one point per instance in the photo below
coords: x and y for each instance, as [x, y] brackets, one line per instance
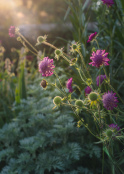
[52, 46]
[81, 76]
[57, 88]
[112, 166]
[27, 42]
[59, 81]
[82, 59]
[112, 87]
[116, 93]
[96, 43]
[103, 160]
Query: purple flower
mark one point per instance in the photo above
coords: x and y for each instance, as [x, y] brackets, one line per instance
[91, 37]
[109, 100]
[87, 90]
[46, 66]
[99, 58]
[12, 31]
[109, 3]
[100, 79]
[69, 85]
[114, 126]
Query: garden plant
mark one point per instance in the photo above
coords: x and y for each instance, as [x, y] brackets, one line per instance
[69, 119]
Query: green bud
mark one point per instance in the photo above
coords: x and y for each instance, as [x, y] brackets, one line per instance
[41, 39]
[109, 132]
[57, 52]
[19, 39]
[74, 46]
[79, 103]
[93, 49]
[93, 96]
[57, 100]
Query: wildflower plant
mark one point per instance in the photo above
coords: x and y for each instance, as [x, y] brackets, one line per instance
[100, 100]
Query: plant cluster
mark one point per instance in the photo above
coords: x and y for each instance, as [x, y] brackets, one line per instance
[48, 142]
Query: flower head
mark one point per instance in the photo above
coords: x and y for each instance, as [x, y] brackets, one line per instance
[109, 3]
[75, 47]
[112, 131]
[91, 37]
[46, 66]
[93, 98]
[100, 79]
[114, 126]
[69, 85]
[58, 53]
[57, 100]
[87, 90]
[99, 58]
[41, 39]
[79, 103]
[12, 31]
[109, 100]
[43, 84]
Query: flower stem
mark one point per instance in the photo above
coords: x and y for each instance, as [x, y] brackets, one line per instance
[27, 42]
[112, 87]
[52, 46]
[60, 82]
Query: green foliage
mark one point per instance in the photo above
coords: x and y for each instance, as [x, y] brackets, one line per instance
[40, 140]
[111, 32]
[22, 87]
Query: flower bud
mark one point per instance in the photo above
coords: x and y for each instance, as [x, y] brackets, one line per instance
[19, 39]
[109, 132]
[41, 39]
[43, 84]
[57, 100]
[58, 53]
[93, 96]
[74, 46]
[79, 103]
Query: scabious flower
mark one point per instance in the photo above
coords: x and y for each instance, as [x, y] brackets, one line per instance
[99, 58]
[69, 85]
[100, 79]
[109, 3]
[112, 131]
[114, 126]
[43, 84]
[12, 31]
[46, 66]
[91, 37]
[87, 90]
[109, 100]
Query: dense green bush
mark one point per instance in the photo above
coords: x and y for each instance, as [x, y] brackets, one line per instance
[39, 140]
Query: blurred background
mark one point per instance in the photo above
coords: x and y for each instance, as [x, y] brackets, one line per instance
[34, 18]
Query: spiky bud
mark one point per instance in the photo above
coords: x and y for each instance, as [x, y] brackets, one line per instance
[57, 100]
[79, 103]
[109, 132]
